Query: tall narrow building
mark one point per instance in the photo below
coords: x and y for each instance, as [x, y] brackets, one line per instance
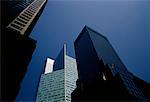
[58, 85]
[11, 9]
[18, 20]
[94, 54]
[23, 23]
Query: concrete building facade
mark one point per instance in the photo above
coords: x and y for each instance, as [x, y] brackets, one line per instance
[22, 22]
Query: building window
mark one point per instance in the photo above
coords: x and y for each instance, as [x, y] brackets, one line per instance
[17, 27]
[21, 20]
[19, 23]
[22, 17]
[26, 16]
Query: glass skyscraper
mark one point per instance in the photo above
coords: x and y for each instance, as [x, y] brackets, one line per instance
[93, 52]
[58, 85]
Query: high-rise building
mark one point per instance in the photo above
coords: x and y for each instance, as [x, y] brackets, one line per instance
[18, 20]
[58, 85]
[94, 54]
[11, 9]
[25, 20]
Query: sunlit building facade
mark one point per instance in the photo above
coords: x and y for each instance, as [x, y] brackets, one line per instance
[58, 85]
[51, 87]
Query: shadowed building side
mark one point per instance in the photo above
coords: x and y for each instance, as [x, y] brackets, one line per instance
[87, 59]
[14, 65]
[98, 67]
[60, 59]
[18, 20]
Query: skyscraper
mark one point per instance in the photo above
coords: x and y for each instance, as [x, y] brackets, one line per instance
[25, 20]
[18, 20]
[94, 54]
[58, 85]
[11, 9]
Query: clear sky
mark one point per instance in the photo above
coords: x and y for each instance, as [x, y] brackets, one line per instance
[125, 23]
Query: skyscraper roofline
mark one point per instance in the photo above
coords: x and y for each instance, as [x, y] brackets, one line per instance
[87, 28]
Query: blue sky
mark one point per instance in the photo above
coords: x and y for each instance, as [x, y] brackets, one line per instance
[125, 23]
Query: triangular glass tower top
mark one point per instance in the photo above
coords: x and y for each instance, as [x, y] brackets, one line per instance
[59, 61]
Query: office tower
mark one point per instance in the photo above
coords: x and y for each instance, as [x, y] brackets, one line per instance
[96, 60]
[24, 21]
[21, 15]
[11, 9]
[58, 85]
[18, 20]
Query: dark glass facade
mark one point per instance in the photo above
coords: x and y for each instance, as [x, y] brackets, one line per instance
[144, 86]
[86, 56]
[59, 62]
[93, 54]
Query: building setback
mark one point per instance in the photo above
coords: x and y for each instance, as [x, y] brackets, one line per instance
[102, 74]
[58, 85]
[18, 20]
